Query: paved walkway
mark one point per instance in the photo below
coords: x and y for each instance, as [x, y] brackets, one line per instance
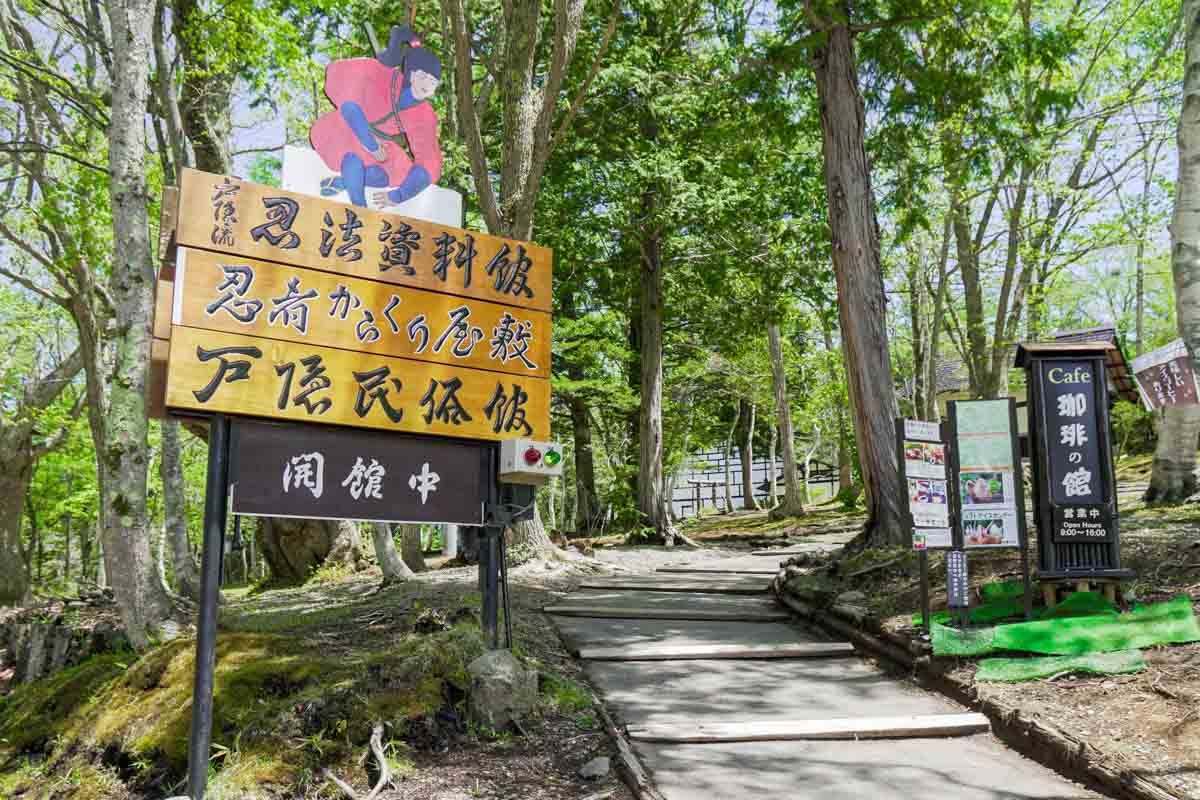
[684, 695]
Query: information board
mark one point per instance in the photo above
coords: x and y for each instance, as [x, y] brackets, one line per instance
[987, 479]
[923, 457]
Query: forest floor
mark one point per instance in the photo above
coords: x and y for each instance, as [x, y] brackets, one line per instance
[303, 673]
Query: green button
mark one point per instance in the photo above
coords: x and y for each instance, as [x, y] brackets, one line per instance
[552, 458]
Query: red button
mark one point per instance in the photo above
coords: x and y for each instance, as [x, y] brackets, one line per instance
[533, 456]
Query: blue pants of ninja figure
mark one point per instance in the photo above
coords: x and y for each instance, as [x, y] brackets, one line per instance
[357, 177]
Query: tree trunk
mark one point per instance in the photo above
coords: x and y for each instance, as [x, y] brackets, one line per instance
[1174, 458]
[14, 577]
[390, 563]
[187, 574]
[68, 522]
[1173, 474]
[772, 483]
[293, 548]
[737, 418]
[124, 451]
[862, 307]
[410, 548]
[747, 457]
[532, 534]
[651, 502]
[793, 500]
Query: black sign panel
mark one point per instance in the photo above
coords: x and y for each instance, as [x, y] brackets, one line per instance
[1083, 524]
[1073, 433]
[958, 584]
[324, 472]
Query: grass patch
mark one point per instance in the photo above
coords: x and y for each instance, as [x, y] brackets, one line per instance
[565, 695]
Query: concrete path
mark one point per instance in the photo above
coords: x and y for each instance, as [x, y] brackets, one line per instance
[693, 692]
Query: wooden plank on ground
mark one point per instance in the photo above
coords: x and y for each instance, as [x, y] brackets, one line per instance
[764, 614]
[677, 652]
[925, 726]
[718, 570]
[792, 551]
[691, 587]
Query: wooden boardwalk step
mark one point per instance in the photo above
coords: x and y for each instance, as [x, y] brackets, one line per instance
[691, 587]
[718, 571]
[788, 552]
[764, 614]
[931, 725]
[677, 652]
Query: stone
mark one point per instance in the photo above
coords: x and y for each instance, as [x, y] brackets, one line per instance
[501, 689]
[595, 769]
[852, 598]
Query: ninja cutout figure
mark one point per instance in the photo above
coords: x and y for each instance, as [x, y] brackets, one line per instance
[378, 103]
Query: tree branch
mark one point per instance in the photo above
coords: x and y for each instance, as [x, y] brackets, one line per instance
[573, 108]
[467, 116]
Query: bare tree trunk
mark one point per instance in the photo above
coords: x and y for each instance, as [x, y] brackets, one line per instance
[585, 516]
[14, 577]
[1173, 473]
[187, 574]
[746, 443]
[293, 548]
[393, 566]
[862, 306]
[772, 483]
[651, 502]
[410, 548]
[532, 534]
[793, 499]
[737, 418]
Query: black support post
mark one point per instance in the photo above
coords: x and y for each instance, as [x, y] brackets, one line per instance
[216, 493]
[489, 555]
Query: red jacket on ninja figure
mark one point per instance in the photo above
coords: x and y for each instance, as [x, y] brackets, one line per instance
[377, 102]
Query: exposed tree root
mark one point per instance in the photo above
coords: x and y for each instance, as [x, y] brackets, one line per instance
[385, 771]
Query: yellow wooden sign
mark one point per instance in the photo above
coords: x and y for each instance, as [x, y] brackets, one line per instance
[230, 215]
[215, 371]
[247, 296]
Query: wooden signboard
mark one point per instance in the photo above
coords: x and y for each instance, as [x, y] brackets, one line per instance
[318, 471]
[233, 216]
[243, 295]
[240, 374]
[1071, 454]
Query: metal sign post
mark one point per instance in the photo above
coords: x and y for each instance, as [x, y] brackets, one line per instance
[216, 492]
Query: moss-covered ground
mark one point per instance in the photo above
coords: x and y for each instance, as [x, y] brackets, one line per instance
[302, 676]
